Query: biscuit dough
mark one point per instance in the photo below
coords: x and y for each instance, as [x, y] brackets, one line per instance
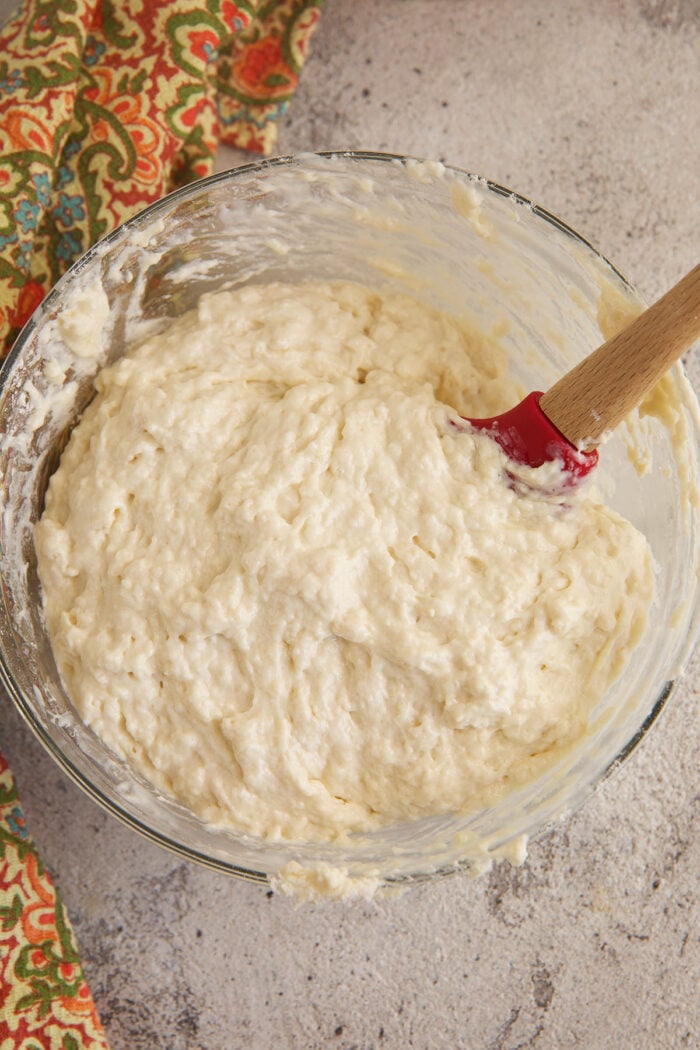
[283, 581]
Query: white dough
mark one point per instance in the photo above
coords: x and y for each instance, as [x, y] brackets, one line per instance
[284, 585]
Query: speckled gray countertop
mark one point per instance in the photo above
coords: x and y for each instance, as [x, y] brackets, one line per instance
[591, 107]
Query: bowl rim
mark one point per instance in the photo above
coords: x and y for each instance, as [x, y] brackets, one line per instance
[288, 160]
[145, 216]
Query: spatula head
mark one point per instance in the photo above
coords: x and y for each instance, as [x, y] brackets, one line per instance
[528, 437]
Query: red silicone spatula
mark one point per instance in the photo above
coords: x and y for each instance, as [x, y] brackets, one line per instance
[568, 421]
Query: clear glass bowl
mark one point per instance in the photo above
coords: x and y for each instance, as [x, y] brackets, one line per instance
[461, 244]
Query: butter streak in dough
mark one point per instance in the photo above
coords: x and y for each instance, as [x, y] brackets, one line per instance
[285, 586]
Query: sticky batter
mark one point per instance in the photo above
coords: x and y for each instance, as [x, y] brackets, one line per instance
[284, 584]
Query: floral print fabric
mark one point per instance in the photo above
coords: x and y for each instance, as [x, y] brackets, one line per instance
[45, 1003]
[105, 107]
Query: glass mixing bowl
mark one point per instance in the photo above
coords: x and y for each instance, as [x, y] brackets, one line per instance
[461, 244]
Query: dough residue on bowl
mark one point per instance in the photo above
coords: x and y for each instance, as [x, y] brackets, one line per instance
[287, 584]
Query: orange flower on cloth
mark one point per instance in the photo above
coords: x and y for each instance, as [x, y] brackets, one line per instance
[45, 1003]
[106, 107]
[259, 70]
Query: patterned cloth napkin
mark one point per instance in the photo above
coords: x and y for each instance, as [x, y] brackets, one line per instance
[104, 107]
[44, 999]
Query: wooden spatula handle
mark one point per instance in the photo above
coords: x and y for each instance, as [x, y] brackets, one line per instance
[599, 392]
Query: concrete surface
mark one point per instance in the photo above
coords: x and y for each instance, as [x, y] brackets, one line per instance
[591, 107]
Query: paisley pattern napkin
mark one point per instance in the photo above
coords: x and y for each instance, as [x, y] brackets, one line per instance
[105, 106]
[44, 999]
